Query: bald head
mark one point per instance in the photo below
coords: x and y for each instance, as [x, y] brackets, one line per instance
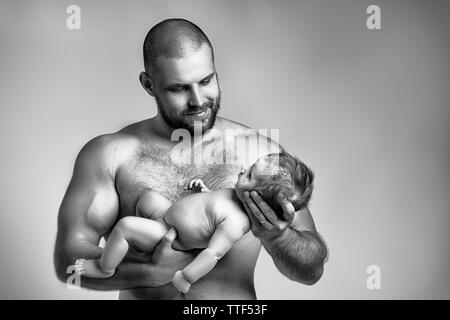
[172, 38]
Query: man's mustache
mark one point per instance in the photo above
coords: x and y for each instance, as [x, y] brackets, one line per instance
[204, 107]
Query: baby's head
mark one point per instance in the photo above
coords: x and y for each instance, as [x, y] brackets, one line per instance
[277, 177]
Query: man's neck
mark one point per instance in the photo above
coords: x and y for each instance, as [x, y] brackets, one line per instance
[160, 127]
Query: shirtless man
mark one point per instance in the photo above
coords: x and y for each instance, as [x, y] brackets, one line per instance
[112, 171]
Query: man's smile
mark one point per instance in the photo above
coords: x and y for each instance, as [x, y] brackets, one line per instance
[198, 114]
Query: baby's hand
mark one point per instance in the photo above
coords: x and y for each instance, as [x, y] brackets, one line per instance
[197, 185]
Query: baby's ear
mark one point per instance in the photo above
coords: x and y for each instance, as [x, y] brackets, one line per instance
[288, 208]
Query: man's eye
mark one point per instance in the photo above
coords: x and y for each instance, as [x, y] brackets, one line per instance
[205, 82]
[177, 89]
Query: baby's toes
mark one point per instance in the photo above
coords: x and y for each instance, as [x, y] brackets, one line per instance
[79, 262]
[79, 265]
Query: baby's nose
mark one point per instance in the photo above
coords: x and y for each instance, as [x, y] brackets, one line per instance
[242, 170]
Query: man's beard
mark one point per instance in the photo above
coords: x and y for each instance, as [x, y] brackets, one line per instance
[183, 122]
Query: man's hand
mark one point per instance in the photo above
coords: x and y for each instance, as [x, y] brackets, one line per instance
[165, 261]
[266, 224]
[296, 249]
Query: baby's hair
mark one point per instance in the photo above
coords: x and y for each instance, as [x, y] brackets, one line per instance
[293, 182]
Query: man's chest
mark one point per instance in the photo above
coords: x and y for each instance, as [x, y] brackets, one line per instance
[153, 169]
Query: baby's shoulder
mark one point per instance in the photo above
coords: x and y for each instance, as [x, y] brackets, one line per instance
[222, 196]
[225, 203]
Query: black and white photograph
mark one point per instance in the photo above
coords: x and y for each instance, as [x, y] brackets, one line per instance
[225, 150]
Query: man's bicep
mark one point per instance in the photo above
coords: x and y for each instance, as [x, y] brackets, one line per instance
[303, 221]
[88, 214]
[90, 205]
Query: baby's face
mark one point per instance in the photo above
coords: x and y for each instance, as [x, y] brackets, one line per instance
[248, 179]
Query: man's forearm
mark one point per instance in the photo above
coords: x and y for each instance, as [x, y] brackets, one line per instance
[128, 275]
[299, 255]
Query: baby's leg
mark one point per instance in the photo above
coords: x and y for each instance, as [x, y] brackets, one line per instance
[143, 233]
[226, 234]
[152, 205]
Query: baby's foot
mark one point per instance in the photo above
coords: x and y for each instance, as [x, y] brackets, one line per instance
[90, 269]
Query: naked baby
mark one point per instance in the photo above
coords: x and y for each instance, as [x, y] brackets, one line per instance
[208, 220]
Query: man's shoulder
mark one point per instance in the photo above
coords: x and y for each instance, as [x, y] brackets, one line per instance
[252, 144]
[239, 128]
[108, 149]
[235, 129]
[136, 129]
[232, 129]
[228, 124]
[127, 138]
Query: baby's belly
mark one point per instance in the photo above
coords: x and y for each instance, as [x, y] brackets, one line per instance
[193, 225]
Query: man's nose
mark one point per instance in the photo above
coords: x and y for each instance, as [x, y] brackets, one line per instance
[195, 98]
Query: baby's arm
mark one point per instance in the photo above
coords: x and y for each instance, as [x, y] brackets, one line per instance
[226, 234]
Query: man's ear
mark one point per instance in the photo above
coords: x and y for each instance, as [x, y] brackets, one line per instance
[146, 83]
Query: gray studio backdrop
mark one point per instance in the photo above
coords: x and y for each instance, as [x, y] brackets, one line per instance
[368, 110]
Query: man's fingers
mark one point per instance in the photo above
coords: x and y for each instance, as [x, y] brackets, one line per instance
[256, 212]
[170, 236]
[247, 208]
[266, 210]
[288, 209]
[250, 215]
[164, 244]
[252, 206]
